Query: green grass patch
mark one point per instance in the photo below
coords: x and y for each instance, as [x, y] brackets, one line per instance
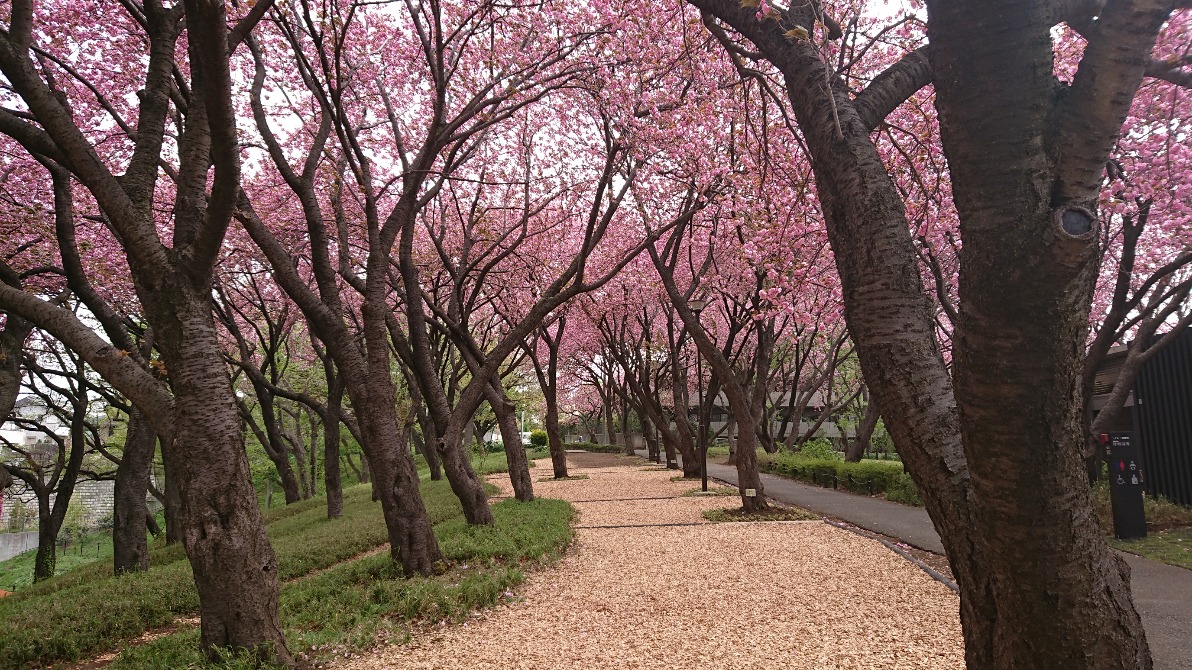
[16, 573]
[353, 604]
[713, 491]
[568, 478]
[771, 514]
[683, 478]
[1169, 528]
[1161, 513]
[868, 477]
[88, 611]
[1173, 547]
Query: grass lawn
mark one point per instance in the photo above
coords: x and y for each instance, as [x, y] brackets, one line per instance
[17, 572]
[333, 600]
[1173, 547]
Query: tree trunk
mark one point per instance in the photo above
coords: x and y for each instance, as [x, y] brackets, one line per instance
[554, 438]
[130, 549]
[732, 440]
[46, 558]
[627, 447]
[1039, 588]
[684, 440]
[653, 453]
[429, 455]
[608, 417]
[515, 452]
[313, 471]
[860, 444]
[672, 459]
[332, 480]
[464, 482]
[1026, 277]
[271, 437]
[292, 435]
[234, 567]
[172, 497]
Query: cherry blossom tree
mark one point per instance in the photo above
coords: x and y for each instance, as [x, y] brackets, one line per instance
[997, 451]
[167, 67]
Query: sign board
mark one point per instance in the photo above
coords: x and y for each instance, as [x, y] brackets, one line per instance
[1125, 485]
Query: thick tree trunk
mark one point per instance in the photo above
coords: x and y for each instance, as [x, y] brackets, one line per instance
[390, 467]
[395, 484]
[749, 482]
[234, 567]
[1026, 277]
[130, 548]
[515, 451]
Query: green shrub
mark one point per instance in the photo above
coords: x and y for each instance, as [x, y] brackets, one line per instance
[820, 449]
[867, 477]
[538, 438]
[597, 448]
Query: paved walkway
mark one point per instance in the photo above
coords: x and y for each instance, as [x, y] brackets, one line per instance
[1162, 593]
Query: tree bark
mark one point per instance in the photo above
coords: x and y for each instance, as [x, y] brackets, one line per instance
[1026, 277]
[515, 451]
[234, 567]
[46, 559]
[1038, 586]
[554, 437]
[171, 496]
[130, 548]
[860, 444]
[464, 482]
[332, 479]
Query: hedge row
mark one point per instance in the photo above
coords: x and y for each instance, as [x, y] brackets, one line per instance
[598, 448]
[868, 477]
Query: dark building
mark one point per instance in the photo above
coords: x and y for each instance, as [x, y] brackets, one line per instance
[1162, 415]
[1159, 413]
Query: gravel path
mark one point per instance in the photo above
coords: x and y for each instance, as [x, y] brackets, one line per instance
[710, 596]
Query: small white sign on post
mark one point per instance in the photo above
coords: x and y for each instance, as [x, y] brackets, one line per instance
[750, 493]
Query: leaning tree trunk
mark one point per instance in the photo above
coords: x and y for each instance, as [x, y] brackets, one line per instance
[515, 451]
[130, 549]
[272, 441]
[464, 482]
[860, 443]
[50, 518]
[886, 309]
